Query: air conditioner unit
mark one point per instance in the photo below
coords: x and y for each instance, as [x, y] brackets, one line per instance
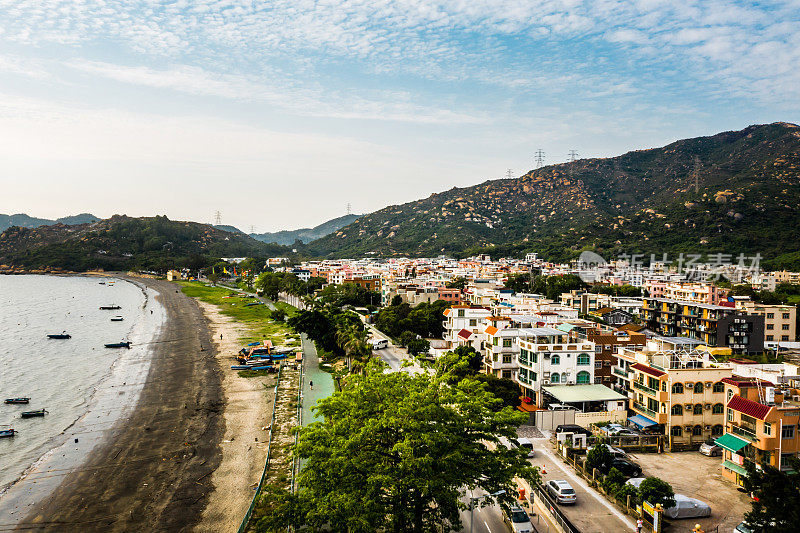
[707, 406]
[688, 406]
[708, 384]
[688, 428]
[708, 428]
[689, 385]
[545, 382]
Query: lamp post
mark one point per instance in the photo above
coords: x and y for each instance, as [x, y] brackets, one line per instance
[473, 500]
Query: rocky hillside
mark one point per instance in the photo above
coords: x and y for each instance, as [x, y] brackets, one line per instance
[121, 243]
[732, 192]
[305, 235]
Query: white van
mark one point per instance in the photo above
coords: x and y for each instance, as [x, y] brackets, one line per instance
[379, 344]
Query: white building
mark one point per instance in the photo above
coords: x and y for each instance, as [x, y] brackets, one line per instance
[463, 326]
[547, 356]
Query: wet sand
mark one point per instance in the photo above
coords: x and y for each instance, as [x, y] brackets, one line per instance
[153, 471]
[244, 447]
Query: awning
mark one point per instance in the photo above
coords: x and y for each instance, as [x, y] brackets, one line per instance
[734, 467]
[642, 421]
[731, 443]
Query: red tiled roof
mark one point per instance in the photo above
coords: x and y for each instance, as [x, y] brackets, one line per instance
[491, 330]
[741, 382]
[648, 370]
[465, 334]
[749, 407]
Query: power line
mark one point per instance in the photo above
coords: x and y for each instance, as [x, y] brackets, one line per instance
[349, 210]
[217, 218]
[510, 173]
[573, 155]
[539, 158]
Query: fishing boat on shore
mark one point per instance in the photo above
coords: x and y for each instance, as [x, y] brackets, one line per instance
[109, 307]
[117, 319]
[62, 335]
[34, 413]
[18, 400]
[10, 432]
[125, 344]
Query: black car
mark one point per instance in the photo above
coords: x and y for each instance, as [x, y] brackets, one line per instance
[572, 428]
[627, 467]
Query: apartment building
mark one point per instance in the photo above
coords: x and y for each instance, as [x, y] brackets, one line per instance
[501, 349]
[780, 321]
[371, 282]
[463, 325]
[606, 344]
[762, 425]
[548, 356]
[704, 322]
[702, 293]
[680, 393]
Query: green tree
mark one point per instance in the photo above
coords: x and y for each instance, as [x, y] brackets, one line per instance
[776, 498]
[278, 315]
[406, 337]
[613, 481]
[418, 346]
[213, 278]
[396, 300]
[397, 452]
[655, 491]
[599, 457]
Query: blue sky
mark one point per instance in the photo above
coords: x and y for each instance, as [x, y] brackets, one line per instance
[280, 113]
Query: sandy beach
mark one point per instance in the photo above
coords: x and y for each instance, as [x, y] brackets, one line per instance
[247, 407]
[155, 470]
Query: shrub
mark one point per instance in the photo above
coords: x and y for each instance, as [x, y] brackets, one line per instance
[655, 491]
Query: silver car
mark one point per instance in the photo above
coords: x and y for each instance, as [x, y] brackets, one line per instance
[561, 491]
[711, 449]
[686, 507]
[518, 520]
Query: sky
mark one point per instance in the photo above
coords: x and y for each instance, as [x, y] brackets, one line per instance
[279, 114]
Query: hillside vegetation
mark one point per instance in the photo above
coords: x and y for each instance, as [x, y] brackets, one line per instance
[734, 192]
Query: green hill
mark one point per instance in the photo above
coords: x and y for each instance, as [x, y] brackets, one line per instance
[121, 243]
[27, 221]
[733, 192]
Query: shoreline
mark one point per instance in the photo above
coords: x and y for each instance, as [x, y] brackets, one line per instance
[244, 445]
[151, 471]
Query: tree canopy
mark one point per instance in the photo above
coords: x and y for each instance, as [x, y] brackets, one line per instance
[776, 498]
[397, 452]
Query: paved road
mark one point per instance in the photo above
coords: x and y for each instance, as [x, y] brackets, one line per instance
[592, 513]
[487, 519]
[397, 358]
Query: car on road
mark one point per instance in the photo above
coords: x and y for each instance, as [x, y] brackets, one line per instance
[711, 448]
[517, 519]
[572, 428]
[527, 443]
[561, 491]
[379, 344]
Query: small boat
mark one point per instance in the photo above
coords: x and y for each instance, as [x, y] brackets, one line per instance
[18, 400]
[32, 414]
[126, 344]
[268, 368]
[109, 307]
[7, 432]
[117, 319]
[240, 367]
[102, 283]
[62, 335]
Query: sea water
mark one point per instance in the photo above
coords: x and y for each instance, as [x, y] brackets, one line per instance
[85, 387]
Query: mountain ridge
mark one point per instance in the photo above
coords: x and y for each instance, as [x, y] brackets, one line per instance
[644, 201]
[305, 235]
[26, 221]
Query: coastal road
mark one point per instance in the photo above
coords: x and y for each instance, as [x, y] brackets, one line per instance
[397, 358]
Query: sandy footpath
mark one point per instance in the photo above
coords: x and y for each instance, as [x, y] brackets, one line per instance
[247, 407]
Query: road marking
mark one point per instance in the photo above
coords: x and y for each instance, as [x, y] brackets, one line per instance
[487, 526]
[588, 489]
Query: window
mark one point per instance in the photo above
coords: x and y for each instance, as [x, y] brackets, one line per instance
[652, 383]
[598, 380]
[598, 364]
[652, 404]
[507, 359]
[698, 387]
[786, 316]
[718, 409]
[787, 432]
[554, 378]
[676, 431]
[698, 409]
[770, 337]
[784, 327]
[507, 374]
[677, 409]
[495, 341]
[784, 337]
[583, 359]
[697, 430]
[717, 430]
[677, 388]
[719, 387]
[730, 415]
[770, 326]
[563, 377]
[473, 322]
[506, 343]
[767, 429]
[583, 377]
[461, 313]
[770, 315]
[555, 359]
[766, 457]
[533, 375]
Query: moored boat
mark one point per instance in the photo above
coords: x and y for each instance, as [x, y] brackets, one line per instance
[117, 319]
[109, 307]
[62, 335]
[34, 413]
[7, 432]
[126, 344]
[18, 400]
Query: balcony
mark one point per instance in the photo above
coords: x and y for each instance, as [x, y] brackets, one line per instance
[744, 432]
[644, 388]
[619, 372]
[645, 410]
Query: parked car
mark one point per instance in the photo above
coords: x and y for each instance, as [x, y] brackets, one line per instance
[527, 444]
[617, 452]
[572, 428]
[517, 519]
[743, 527]
[686, 507]
[627, 467]
[635, 481]
[711, 448]
[561, 491]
